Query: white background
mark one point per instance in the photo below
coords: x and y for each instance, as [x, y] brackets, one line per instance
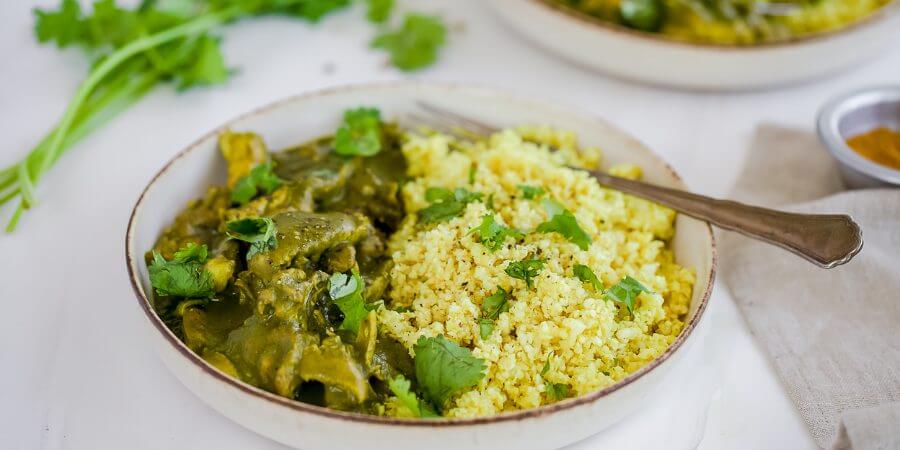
[76, 373]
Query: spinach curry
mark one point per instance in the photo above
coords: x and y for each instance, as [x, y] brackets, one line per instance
[267, 278]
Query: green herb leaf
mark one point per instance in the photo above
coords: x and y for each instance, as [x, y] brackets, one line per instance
[446, 204]
[360, 133]
[586, 275]
[259, 232]
[495, 304]
[492, 234]
[400, 386]
[626, 291]
[207, 65]
[562, 221]
[546, 368]
[485, 327]
[645, 15]
[346, 292]
[379, 10]
[184, 275]
[491, 308]
[472, 170]
[260, 181]
[525, 269]
[557, 391]
[414, 45]
[443, 368]
[64, 26]
[531, 192]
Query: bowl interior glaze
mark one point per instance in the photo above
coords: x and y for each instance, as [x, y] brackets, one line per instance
[304, 117]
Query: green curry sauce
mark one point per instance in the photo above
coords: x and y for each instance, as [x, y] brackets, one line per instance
[261, 311]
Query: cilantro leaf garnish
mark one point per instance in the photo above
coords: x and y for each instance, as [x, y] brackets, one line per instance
[260, 181]
[557, 391]
[586, 275]
[259, 232]
[346, 292]
[379, 10]
[446, 204]
[562, 221]
[485, 327]
[626, 291]
[415, 44]
[491, 308]
[443, 368]
[399, 385]
[531, 192]
[525, 269]
[184, 275]
[492, 234]
[359, 133]
[473, 169]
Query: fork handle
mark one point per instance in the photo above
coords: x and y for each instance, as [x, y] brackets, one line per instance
[827, 240]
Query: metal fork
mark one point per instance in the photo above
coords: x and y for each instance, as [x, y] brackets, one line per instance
[826, 240]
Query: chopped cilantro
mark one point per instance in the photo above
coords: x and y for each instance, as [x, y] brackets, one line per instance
[531, 192]
[260, 180]
[379, 10]
[492, 234]
[415, 44]
[446, 204]
[360, 133]
[490, 202]
[491, 308]
[443, 368]
[259, 232]
[525, 269]
[546, 368]
[346, 292]
[184, 275]
[586, 275]
[399, 385]
[626, 291]
[495, 304]
[485, 327]
[562, 221]
[557, 391]
[472, 170]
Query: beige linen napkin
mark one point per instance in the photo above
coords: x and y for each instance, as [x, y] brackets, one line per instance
[832, 335]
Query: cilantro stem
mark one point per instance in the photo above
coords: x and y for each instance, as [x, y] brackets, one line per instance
[60, 137]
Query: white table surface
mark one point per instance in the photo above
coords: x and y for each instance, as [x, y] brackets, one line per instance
[75, 371]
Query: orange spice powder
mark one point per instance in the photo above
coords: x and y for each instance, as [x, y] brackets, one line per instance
[881, 145]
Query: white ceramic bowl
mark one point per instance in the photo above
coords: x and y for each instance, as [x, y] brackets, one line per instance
[654, 59]
[300, 118]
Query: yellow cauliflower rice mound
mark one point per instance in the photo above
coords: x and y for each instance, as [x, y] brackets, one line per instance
[442, 273]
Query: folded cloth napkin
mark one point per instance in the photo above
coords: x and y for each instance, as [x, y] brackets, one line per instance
[833, 336]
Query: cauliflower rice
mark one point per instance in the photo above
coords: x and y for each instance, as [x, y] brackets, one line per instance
[442, 274]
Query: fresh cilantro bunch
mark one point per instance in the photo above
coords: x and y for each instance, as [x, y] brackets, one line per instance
[169, 41]
[184, 275]
[416, 43]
